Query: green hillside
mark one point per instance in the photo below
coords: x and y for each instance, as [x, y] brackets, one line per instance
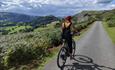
[23, 23]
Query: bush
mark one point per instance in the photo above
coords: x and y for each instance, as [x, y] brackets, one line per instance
[111, 23]
[18, 49]
[23, 53]
[55, 38]
[57, 25]
[80, 26]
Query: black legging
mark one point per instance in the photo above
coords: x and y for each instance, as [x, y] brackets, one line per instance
[68, 38]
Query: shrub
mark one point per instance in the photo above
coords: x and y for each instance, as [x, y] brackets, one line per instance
[111, 23]
[18, 49]
[57, 25]
[22, 53]
[55, 37]
[79, 27]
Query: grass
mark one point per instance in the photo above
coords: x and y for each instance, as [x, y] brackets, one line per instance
[47, 27]
[42, 29]
[110, 31]
[15, 28]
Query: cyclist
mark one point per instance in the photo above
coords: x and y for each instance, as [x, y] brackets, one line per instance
[67, 28]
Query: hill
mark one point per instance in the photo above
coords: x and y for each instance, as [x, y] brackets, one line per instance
[13, 22]
[14, 17]
[22, 19]
[98, 15]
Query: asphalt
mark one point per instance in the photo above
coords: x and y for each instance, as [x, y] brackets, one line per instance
[94, 51]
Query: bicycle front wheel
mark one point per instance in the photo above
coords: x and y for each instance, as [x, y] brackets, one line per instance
[61, 59]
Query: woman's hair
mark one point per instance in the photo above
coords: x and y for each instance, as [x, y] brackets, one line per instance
[68, 18]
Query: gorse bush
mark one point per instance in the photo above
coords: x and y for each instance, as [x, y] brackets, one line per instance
[84, 24]
[21, 54]
[109, 18]
[55, 37]
[20, 49]
[111, 23]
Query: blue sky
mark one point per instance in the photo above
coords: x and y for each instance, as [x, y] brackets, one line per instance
[54, 7]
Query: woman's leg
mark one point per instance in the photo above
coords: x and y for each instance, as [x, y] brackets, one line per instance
[69, 41]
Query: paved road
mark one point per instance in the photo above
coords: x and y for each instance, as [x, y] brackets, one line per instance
[96, 46]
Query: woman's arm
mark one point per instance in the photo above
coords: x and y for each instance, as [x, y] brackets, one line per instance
[62, 27]
[74, 30]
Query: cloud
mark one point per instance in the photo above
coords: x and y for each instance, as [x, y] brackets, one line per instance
[102, 1]
[54, 7]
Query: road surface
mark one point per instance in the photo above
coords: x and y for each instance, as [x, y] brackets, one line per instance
[95, 47]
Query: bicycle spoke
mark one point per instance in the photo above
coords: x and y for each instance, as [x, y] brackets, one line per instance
[61, 57]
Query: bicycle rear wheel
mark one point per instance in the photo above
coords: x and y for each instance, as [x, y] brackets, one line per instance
[62, 56]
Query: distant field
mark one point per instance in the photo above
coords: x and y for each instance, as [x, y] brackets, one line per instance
[48, 27]
[111, 31]
[13, 29]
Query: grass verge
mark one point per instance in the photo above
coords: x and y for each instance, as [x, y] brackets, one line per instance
[49, 58]
[110, 31]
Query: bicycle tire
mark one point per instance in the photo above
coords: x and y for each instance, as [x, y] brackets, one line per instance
[63, 49]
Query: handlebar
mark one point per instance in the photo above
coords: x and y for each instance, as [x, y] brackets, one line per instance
[75, 33]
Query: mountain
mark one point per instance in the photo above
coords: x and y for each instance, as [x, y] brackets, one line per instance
[12, 22]
[13, 19]
[44, 20]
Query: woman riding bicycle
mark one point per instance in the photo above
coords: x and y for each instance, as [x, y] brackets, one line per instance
[67, 28]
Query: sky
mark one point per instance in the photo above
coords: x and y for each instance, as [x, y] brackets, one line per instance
[54, 7]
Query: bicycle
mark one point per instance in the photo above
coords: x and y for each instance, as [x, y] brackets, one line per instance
[63, 53]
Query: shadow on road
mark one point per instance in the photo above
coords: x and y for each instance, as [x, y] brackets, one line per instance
[81, 62]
